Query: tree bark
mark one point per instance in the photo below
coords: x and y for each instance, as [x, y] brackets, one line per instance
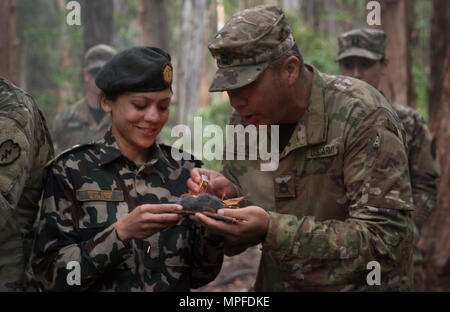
[435, 241]
[153, 19]
[9, 61]
[97, 20]
[190, 58]
[439, 39]
[208, 68]
[398, 84]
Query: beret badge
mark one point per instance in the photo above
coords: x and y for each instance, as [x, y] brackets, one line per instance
[167, 74]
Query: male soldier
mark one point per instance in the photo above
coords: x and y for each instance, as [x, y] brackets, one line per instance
[340, 197]
[25, 148]
[84, 121]
[362, 56]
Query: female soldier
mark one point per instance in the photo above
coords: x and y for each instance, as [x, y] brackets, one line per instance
[104, 203]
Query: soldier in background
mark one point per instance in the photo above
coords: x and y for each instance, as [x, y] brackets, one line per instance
[341, 195]
[362, 56]
[25, 148]
[84, 121]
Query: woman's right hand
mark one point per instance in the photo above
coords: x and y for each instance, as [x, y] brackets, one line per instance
[146, 220]
[218, 185]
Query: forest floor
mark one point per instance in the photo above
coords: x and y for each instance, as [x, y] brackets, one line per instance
[237, 274]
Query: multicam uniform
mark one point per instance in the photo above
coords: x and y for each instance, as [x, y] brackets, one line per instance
[424, 169]
[25, 148]
[76, 125]
[340, 198]
[90, 188]
[423, 163]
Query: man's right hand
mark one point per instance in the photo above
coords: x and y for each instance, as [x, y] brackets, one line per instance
[218, 185]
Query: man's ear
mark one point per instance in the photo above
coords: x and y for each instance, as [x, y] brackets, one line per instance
[290, 69]
[105, 103]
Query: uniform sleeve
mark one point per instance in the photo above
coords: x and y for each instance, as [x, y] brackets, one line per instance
[424, 170]
[208, 257]
[379, 226]
[59, 241]
[14, 166]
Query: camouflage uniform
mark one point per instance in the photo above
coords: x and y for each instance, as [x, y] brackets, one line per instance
[90, 188]
[340, 197]
[423, 164]
[75, 124]
[25, 147]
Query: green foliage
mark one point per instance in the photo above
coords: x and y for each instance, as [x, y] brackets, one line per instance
[217, 113]
[315, 48]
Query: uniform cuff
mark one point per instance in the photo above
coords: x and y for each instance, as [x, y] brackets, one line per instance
[281, 234]
[106, 251]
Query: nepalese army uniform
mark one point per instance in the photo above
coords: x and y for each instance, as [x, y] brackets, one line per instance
[25, 148]
[76, 125]
[340, 197]
[91, 187]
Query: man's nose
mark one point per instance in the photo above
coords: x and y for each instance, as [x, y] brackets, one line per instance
[237, 103]
[357, 72]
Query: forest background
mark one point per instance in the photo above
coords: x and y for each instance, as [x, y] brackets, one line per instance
[41, 53]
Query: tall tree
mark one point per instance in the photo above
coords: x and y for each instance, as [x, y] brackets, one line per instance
[208, 68]
[190, 63]
[97, 20]
[153, 19]
[439, 41]
[435, 235]
[9, 60]
[395, 21]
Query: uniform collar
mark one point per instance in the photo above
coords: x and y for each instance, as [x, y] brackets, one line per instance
[312, 128]
[110, 151]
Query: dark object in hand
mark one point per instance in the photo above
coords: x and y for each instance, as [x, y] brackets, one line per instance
[204, 202]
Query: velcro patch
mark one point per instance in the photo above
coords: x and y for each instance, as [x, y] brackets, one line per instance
[285, 186]
[9, 152]
[322, 151]
[100, 195]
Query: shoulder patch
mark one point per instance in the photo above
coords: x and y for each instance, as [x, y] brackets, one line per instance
[9, 152]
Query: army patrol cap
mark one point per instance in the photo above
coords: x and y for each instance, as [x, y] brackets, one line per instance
[246, 45]
[367, 43]
[97, 56]
[138, 69]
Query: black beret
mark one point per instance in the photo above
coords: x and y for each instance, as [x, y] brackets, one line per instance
[138, 69]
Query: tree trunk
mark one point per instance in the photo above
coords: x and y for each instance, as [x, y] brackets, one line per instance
[398, 84]
[439, 39]
[190, 58]
[9, 61]
[97, 20]
[435, 235]
[291, 7]
[208, 69]
[153, 19]
[331, 25]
